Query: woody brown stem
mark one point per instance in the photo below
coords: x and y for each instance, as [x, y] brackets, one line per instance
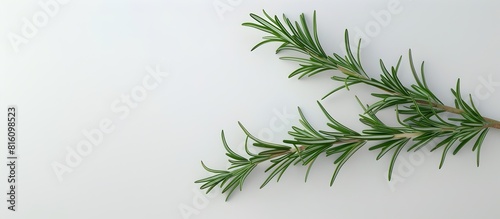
[492, 123]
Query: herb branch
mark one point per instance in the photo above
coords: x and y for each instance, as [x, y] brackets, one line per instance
[418, 112]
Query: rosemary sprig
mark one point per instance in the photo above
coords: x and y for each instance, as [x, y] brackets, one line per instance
[297, 37]
[418, 112]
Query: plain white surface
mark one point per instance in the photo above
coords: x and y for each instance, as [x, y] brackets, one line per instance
[66, 78]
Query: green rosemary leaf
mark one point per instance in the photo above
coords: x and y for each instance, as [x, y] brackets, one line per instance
[279, 168]
[383, 145]
[262, 143]
[345, 157]
[230, 153]
[309, 169]
[478, 144]
[464, 140]
[445, 151]
[399, 146]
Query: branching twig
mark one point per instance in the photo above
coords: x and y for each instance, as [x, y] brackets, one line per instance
[418, 111]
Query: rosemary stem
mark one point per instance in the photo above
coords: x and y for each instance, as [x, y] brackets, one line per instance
[351, 73]
[292, 150]
[492, 123]
[408, 135]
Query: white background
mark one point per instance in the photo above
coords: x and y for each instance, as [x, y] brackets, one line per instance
[66, 77]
